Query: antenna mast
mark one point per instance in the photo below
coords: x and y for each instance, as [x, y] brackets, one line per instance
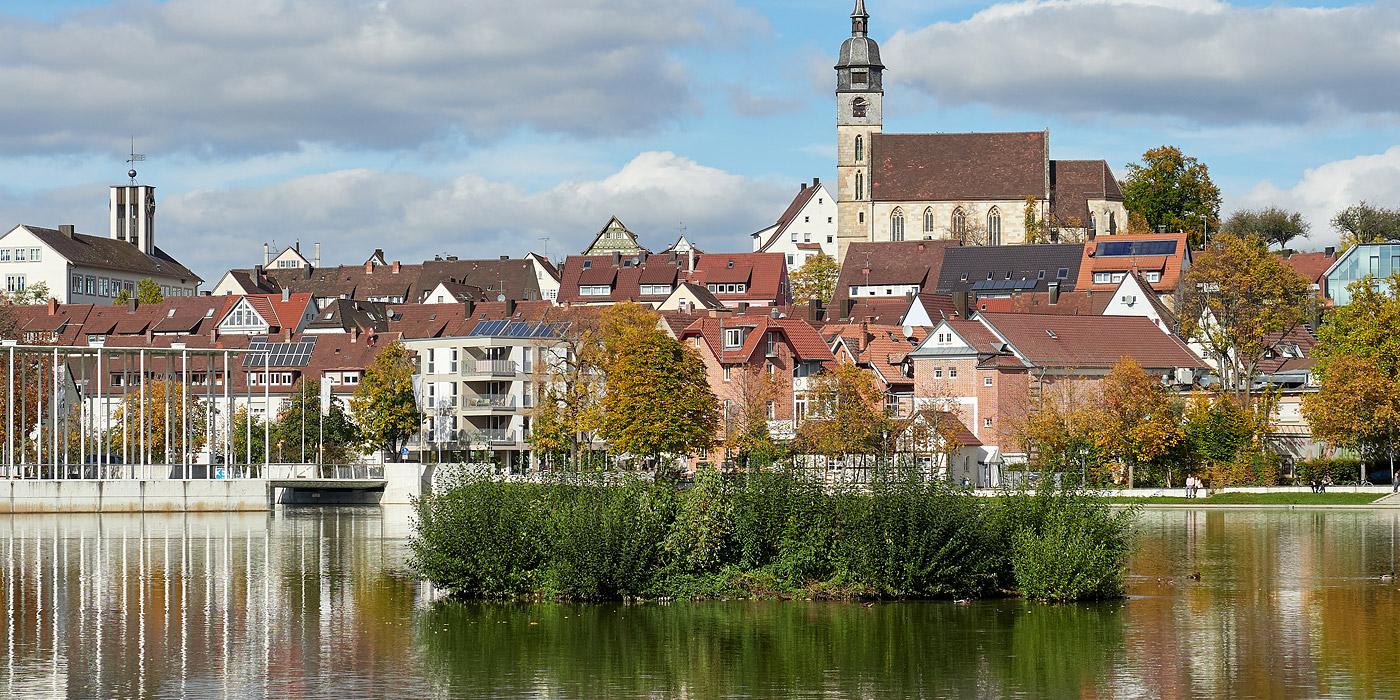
[135, 158]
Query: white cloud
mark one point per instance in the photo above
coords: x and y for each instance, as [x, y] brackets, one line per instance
[1204, 60]
[352, 212]
[746, 104]
[249, 76]
[1328, 188]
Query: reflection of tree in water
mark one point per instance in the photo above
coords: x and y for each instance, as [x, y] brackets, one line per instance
[771, 649]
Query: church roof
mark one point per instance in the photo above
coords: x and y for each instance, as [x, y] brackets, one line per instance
[951, 167]
[112, 254]
[1074, 182]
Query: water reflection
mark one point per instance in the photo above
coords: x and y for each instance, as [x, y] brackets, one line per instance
[318, 603]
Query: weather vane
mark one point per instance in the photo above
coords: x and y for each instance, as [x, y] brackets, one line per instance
[135, 158]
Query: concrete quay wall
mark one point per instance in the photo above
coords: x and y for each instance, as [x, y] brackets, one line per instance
[132, 495]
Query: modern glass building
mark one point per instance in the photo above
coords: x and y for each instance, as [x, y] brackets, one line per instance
[1376, 260]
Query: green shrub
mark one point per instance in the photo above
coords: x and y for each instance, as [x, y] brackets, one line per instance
[1342, 471]
[605, 539]
[480, 537]
[1070, 546]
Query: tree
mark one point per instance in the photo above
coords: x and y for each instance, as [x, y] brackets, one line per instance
[1174, 190]
[747, 399]
[246, 439]
[147, 292]
[1276, 226]
[1138, 421]
[816, 279]
[1057, 428]
[301, 430]
[1238, 302]
[36, 293]
[1358, 366]
[383, 406]
[160, 414]
[845, 415]
[1367, 223]
[658, 398]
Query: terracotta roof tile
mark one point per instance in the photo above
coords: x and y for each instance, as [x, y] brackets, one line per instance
[1090, 341]
[950, 167]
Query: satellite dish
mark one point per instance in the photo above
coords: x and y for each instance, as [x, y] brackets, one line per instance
[500, 297]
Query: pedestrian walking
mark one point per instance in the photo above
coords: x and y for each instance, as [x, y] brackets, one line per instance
[1395, 481]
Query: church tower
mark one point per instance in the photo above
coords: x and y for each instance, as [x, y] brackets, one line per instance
[859, 90]
[133, 214]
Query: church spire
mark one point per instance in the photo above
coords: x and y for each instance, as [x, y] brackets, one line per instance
[859, 19]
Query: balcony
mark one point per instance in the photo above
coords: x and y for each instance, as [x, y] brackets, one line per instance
[490, 368]
[490, 436]
[495, 402]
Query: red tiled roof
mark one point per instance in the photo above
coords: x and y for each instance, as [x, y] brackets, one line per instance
[1310, 265]
[891, 263]
[764, 276]
[804, 341]
[1090, 341]
[1170, 266]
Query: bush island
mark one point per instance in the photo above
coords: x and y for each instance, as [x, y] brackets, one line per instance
[765, 534]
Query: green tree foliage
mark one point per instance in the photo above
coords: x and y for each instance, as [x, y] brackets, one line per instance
[1276, 226]
[1238, 300]
[1174, 190]
[658, 398]
[247, 437]
[816, 279]
[301, 430]
[169, 407]
[1358, 366]
[1367, 223]
[845, 415]
[746, 400]
[1223, 439]
[36, 293]
[147, 292]
[383, 406]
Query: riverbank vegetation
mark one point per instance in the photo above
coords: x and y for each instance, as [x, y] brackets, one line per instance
[766, 534]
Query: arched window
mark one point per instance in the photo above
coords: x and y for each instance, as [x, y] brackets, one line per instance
[858, 107]
[959, 222]
[860, 148]
[928, 220]
[1112, 224]
[860, 186]
[994, 227]
[897, 225]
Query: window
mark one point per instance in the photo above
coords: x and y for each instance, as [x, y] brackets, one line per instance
[986, 381]
[959, 222]
[697, 341]
[733, 337]
[14, 283]
[860, 148]
[952, 372]
[34, 255]
[789, 258]
[793, 237]
[897, 225]
[1375, 266]
[858, 106]
[859, 77]
[19, 254]
[860, 217]
[351, 378]
[986, 422]
[77, 284]
[1063, 273]
[4, 254]
[600, 290]
[772, 411]
[1152, 277]
[772, 348]
[860, 186]
[587, 264]
[656, 289]
[726, 372]
[994, 227]
[807, 220]
[91, 284]
[928, 220]
[1112, 224]
[937, 372]
[806, 238]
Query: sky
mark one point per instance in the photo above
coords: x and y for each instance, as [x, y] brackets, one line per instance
[478, 129]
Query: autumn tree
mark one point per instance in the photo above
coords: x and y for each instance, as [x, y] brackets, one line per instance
[845, 415]
[147, 292]
[816, 279]
[657, 398]
[1358, 366]
[1276, 226]
[747, 401]
[1366, 223]
[383, 405]
[168, 417]
[570, 387]
[1057, 429]
[1238, 301]
[1138, 421]
[1174, 190]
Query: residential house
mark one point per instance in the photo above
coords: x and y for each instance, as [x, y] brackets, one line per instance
[1377, 261]
[735, 279]
[888, 270]
[806, 228]
[1163, 260]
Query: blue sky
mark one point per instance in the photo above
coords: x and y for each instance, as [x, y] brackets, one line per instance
[434, 126]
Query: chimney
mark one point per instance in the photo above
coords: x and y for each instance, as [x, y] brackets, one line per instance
[816, 181]
[267, 255]
[469, 306]
[369, 267]
[286, 294]
[801, 187]
[505, 257]
[297, 246]
[673, 257]
[214, 334]
[510, 308]
[921, 246]
[1054, 293]
[846, 305]
[66, 229]
[814, 310]
[53, 306]
[150, 335]
[690, 260]
[354, 334]
[1329, 251]
[960, 304]
[258, 273]
[617, 258]
[317, 262]
[743, 307]
[642, 258]
[396, 267]
[131, 304]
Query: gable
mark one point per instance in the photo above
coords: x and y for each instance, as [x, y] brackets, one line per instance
[943, 341]
[243, 315]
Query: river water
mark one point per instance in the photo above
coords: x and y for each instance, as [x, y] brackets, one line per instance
[319, 603]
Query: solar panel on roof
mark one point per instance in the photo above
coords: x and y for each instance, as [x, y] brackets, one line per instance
[517, 330]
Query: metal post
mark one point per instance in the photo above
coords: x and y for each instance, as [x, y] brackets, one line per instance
[267, 404]
[228, 422]
[53, 400]
[10, 415]
[248, 418]
[167, 461]
[185, 412]
[303, 418]
[141, 401]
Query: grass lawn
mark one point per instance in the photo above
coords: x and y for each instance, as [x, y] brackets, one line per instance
[1304, 498]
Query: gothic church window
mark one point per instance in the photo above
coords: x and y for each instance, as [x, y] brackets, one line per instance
[994, 227]
[860, 148]
[858, 107]
[928, 220]
[860, 186]
[897, 225]
[959, 222]
[1112, 225]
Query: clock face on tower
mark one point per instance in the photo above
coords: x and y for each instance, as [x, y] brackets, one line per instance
[151, 205]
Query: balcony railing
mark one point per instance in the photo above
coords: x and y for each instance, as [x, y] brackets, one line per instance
[492, 401]
[490, 368]
[492, 436]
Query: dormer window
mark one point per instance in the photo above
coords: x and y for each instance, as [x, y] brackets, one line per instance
[733, 337]
[587, 264]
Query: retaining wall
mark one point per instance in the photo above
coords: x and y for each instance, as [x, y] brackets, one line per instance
[132, 495]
